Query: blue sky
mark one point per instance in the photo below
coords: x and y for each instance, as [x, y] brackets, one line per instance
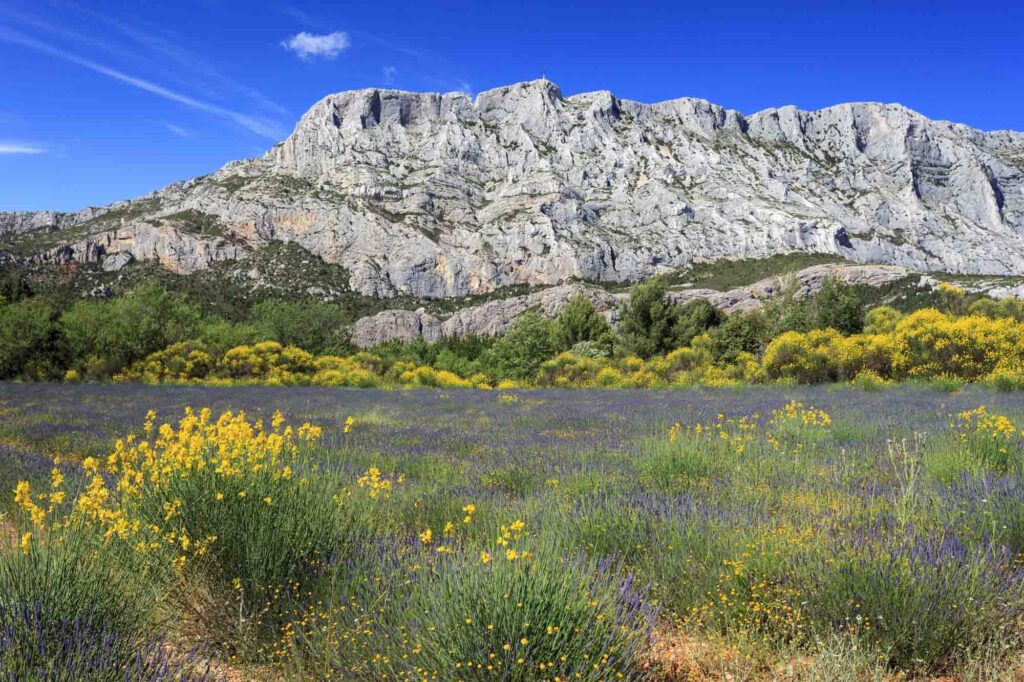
[102, 101]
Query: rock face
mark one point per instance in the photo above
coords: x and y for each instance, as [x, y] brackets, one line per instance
[445, 195]
[18, 222]
[802, 283]
[488, 319]
[401, 325]
[495, 317]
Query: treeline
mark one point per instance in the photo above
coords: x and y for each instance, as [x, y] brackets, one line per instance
[44, 338]
[153, 336]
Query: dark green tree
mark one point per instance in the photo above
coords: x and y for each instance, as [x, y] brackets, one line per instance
[695, 318]
[14, 287]
[104, 336]
[578, 322]
[523, 349]
[312, 326]
[649, 320]
[743, 332]
[839, 306]
[28, 340]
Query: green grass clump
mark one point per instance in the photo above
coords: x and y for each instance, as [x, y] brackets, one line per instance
[515, 620]
[72, 609]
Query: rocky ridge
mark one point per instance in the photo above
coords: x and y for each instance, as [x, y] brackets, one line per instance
[495, 317]
[435, 195]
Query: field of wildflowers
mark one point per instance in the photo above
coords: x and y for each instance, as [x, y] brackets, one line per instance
[294, 533]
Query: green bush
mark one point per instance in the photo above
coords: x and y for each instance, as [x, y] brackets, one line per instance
[923, 603]
[70, 609]
[881, 320]
[28, 340]
[103, 337]
[577, 323]
[523, 349]
[555, 617]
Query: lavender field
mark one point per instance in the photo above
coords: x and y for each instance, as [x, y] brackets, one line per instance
[763, 533]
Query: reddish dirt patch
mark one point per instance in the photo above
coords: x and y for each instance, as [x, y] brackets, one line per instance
[671, 658]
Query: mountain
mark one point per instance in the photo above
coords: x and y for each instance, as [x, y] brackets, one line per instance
[431, 195]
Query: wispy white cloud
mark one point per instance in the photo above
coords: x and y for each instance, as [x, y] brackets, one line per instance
[178, 130]
[257, 125]
[148, 44]
[308, 45]
[423, 67]
[20, 148]
[150, 38]
[302, 16]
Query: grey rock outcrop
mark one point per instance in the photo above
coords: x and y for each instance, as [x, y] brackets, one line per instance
[801, 283]
[446, 195]
[175, 249]
[495, 317]
[117, 261]
[18, 222]
[401, 325]
[487, 319]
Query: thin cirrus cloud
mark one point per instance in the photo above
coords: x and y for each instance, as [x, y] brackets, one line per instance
[308, 46]
[150, 44]
[204, 73]
[178, 130]
[257, 125]
[20, 148]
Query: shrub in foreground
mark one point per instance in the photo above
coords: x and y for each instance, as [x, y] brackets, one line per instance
[70, 609]
[220, 508]
[545, 617]
[924, 603]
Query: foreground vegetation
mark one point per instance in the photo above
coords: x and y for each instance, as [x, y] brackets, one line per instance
[522, 535]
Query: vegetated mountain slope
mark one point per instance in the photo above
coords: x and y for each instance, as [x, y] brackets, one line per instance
[445, 195]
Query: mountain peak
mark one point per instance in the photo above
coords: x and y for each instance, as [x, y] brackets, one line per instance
[431, 194]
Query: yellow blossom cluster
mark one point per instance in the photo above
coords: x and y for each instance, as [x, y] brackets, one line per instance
[736, 433]
[376, 485]
[795, 412]
[449, 532]
[141, 471]
[989, 438]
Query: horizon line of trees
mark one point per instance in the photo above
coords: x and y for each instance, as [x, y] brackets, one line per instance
[96, 339]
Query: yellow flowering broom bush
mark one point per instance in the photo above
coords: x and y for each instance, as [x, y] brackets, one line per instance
[988, 441]
[218, 506]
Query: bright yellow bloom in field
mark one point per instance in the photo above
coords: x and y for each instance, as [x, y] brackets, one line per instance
[23, 499]
[230, 448]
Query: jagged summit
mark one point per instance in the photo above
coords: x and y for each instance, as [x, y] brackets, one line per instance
[446, 194]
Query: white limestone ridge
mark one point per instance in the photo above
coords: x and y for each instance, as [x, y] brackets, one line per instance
[445, 195]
